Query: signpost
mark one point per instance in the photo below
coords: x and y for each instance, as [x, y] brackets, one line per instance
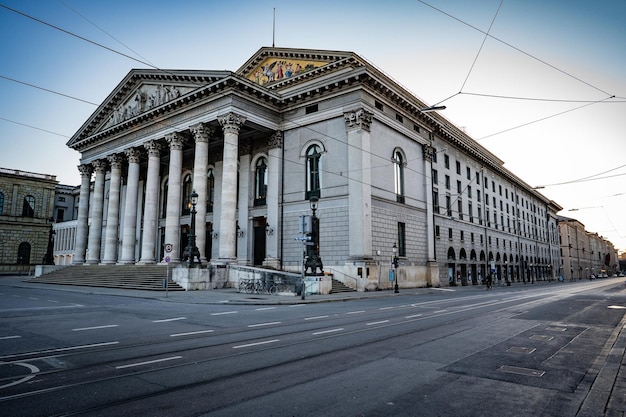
[168, 249]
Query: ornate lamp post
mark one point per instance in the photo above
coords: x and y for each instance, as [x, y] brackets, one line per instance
[191, 251]
[394, 260]
[313, 259]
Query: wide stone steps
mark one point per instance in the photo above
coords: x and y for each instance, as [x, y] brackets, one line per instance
[132, 277]
[339, 287]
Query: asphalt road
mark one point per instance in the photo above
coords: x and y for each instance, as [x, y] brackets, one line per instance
[525, 350]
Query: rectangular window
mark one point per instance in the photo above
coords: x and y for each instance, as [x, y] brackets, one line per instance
[470, 212]
[436, 201]
[469, 173]
[310, 109]
[437, 232]
[378, 105]
[447, 182]
[458, 167]
[469, 191]
[401, 239]
[399, 118]
[460, 208]
[459, 190]
[462, 236]
[434, 152]
[435, 177]
[472, 237]
[416, 128]
[446, 160]
[448, 206]
[450, 233]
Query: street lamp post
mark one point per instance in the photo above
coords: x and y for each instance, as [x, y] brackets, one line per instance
[313, 259]
[395, 268]
[192, 251]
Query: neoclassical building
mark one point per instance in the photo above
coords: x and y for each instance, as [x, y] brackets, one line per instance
[256, 144]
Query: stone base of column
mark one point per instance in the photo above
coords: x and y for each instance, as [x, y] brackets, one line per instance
[433, 274]
[273, 263]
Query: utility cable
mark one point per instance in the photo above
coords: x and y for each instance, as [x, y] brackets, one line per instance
[48, 90]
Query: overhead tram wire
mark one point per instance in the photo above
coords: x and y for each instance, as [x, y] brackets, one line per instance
[516, 48]
[48, 90]
[81, 37]
[34, 127]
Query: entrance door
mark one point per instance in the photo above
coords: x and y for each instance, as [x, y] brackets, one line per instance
[259, 240]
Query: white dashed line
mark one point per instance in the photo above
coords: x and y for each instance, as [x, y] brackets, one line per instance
[377, 322]
[356, 312]
[256, 344]
[95, 327]
[148, 362]
[327, 331]
[172, 319]
[316, 317]
[9, 337]
[272, 323]
[224, 312]
[191, 333]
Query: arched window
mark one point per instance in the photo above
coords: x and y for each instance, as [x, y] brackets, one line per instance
[260, 182]
[187, 189]
[398, 160]
[28, 208]
[313, 168]
[210, 191]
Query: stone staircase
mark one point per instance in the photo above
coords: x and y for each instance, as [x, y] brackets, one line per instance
[131, 277]
[339, 287]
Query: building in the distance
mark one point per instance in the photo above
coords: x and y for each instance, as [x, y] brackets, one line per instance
[393, 177]
[26, 218]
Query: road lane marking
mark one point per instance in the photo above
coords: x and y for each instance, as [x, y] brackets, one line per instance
[271, 323]
[224, 312]
[256, 344]
[617, 307]
[106, 326]
[386, 308]
[33, 298]
[33, 372]
[172, 319]
[130, 365]
[439, 311]
[413, 316]
[191, 333]
[316, 317]
[356, 312]
[377, 322]
[328, 331]
[9, 337]
[265, 308]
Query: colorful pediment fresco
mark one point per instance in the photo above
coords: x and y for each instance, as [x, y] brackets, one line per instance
[277, 69]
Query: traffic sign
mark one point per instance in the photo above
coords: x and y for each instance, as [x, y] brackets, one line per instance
[168, 247]
[167, 259]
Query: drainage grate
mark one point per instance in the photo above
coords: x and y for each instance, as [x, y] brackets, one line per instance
[522, 350]
[521, 371]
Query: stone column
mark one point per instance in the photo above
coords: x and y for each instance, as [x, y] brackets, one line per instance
[82, 223]
[231, 124]
[148, 245]
[432, 267]
[201, 133]
[172, 213]
[274, 165]
[359, 184]
[130, 208]
[95, 229]
[111, 237]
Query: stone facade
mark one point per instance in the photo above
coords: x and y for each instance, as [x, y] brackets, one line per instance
[26, 209]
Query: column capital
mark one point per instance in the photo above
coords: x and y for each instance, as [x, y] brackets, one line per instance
[175, 140]
[202, 132]
[153, 147]
[115, 160]
[358, 119]
[99, 165]
[133, 155]
[85, 170]
[276, 140]
[428, 152]
[231, 122]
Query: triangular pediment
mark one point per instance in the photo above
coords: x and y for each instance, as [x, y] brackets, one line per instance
[144, 91]
[274, 65]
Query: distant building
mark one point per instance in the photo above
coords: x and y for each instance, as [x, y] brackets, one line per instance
[26, 217]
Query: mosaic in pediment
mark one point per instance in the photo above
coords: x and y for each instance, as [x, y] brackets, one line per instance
[145, 98]
[277, 69]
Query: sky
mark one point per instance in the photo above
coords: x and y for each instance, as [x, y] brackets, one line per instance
[539, 83]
